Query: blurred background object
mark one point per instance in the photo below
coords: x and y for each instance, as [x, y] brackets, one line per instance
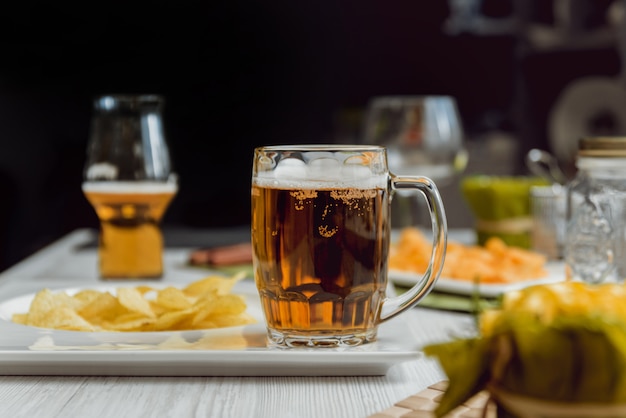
[545, 165]
[548, 206]
[424, 137]
[238, 74]
[501, 206]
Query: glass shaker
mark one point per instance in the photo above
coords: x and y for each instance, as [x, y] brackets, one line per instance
[595, 249]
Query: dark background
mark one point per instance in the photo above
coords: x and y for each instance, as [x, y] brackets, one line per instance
[239, 74]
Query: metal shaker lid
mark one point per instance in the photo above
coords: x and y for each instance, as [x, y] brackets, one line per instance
[602, 147]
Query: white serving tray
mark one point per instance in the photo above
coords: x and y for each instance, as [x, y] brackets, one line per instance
[235, 351]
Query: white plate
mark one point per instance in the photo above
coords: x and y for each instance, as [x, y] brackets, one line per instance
[556, 273]
[235, 351]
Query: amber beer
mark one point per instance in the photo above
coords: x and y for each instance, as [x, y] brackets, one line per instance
[320, 242]
[130, 242]
[321, 259]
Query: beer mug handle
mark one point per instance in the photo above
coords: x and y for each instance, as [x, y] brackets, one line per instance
[398, 304]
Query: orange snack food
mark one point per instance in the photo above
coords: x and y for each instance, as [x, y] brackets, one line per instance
[495, 262]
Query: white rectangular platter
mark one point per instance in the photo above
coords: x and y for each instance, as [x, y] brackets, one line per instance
[235, 351]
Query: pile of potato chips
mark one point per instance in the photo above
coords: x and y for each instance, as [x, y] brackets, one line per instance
[204, 304]
[495, 262]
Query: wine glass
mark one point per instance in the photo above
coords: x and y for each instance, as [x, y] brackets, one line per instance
[423, 135]
[129, 181]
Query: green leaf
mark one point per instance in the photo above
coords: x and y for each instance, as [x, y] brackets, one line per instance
[465, 362]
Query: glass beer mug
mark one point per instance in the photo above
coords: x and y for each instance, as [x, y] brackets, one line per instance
[321, 236]
[129, 182]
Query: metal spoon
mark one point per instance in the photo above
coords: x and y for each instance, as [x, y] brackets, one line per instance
[545, 165]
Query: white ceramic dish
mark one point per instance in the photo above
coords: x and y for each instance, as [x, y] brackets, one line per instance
[235, 351]
[556, 273]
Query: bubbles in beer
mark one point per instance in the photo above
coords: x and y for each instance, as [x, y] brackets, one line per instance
[301, 196]
[352, 197]
[323, 255]
[325, 232]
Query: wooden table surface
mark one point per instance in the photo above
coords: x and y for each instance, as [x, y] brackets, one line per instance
[71, 262]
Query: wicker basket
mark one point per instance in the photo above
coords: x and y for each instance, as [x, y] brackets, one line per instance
[525, 407]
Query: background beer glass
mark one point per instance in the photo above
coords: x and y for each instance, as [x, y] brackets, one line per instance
[424, 136]
[129, 182]
[320, 237]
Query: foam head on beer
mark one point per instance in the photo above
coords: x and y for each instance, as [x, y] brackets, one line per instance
[319, 172]
[289, 169]
[105, 171]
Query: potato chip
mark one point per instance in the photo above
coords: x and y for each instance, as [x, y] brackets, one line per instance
[145, 289]
[228, 304]
[206, 303]
[56, 310]
[46, 301]
[20, 318]
[173, 299]
[103, 308]
[61, 317]
[131, 321]
[85, 297]
[170, 320]
[228, 320]
[221, 285]
[131, 299]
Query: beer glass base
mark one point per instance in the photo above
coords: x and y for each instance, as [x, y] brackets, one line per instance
[301, 340]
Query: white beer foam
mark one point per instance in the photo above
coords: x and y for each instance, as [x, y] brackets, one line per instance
[129, 187]
[102, 170]
[324, 169]
[355, 172]
[321, 173]
[291, 168]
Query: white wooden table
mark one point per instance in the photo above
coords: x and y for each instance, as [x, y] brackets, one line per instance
[70, 262]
